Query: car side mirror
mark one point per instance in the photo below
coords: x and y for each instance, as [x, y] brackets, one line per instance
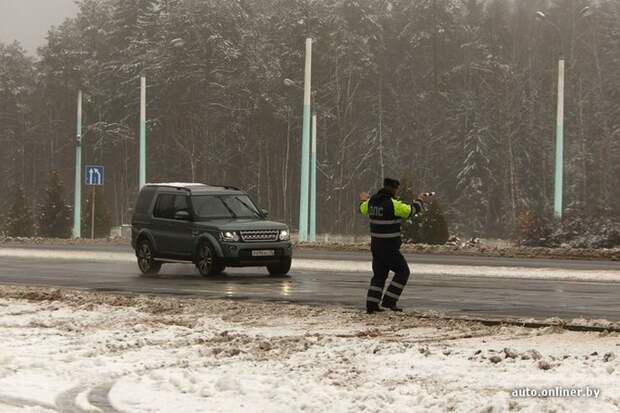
[182, 215]
[264, 212]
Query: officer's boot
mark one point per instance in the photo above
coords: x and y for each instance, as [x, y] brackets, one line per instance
[375, 292]
[374, 309]
[395, 289]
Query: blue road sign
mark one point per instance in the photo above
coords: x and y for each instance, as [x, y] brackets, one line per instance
[94, 175]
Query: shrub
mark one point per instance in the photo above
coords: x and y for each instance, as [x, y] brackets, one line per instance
[429, 227]
[576, 231]
[533, 229]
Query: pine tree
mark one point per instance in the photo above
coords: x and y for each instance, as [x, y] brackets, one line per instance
[473, 180]
[55, 217]
[460, 93]
[19, 220]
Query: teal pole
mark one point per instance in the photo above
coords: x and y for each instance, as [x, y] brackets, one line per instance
[305, 148]
[142, 174]
[313, 183]
[77, 197]
[559, 145]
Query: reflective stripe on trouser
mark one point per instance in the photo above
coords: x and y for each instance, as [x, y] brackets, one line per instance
[386, 257]
[375, 293]
[390, 235]
[401, 276]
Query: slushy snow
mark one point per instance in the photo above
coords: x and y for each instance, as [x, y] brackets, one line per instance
[69, 351]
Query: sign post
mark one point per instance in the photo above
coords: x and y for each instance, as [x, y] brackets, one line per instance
[92, 214]
[95, 176]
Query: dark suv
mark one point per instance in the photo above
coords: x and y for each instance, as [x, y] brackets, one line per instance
[213, 227]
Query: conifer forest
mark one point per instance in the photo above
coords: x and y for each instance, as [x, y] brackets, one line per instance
[453, 96]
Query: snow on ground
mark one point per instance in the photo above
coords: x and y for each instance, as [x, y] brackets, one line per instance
[333, 242]
[349, 266]
[69, 351]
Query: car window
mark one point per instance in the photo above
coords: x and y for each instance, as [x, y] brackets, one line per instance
[210, 207]
[180, 203]
[241, 206]
[224, 206]
[144, 200]
[164, 208]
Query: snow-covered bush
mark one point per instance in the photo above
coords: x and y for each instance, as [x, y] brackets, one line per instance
[430, 227]
[576, 231]
[533, 229]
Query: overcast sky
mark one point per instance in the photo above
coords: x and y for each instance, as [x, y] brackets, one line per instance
[28, 20]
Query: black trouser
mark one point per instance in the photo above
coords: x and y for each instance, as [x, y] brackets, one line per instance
[386, 257]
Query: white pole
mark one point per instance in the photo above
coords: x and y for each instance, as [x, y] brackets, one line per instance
[305, 147]
[313, 183]
[77, 197]
[559, 144]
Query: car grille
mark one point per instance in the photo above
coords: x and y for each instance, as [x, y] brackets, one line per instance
[259, 235]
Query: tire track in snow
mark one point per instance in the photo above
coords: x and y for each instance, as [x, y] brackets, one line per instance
[66, 401]
[98, 397]
[23, 403]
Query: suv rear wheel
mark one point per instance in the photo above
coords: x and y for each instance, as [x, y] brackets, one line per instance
[146, 260]
[279, 269]
[208, 263]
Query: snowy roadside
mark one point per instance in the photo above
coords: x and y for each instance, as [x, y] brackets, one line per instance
[71, 351]
[486, 248]
[301, 264]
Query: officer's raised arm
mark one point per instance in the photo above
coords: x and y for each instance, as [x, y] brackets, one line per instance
[405, 211]
[401, 209]
[363, 208]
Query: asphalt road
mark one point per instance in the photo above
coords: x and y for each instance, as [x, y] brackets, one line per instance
[491, 298]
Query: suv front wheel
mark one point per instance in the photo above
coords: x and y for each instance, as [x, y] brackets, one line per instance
[207, 262]
[280, 269]
[146, 260]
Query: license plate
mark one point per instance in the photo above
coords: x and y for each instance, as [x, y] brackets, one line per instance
[263, 253]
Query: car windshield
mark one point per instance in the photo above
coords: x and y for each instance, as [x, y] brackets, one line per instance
[224, 206]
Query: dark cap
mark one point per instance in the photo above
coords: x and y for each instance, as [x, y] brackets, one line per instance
[391, 183]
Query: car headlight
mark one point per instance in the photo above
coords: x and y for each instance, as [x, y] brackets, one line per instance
[229, 236]
[285, 235]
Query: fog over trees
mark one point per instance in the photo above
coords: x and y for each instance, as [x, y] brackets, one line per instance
[454, 96]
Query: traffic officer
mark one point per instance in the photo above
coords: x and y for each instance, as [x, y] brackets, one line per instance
[385, 213]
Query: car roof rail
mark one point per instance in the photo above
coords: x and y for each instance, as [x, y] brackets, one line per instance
[189, 186]
[227, 187]
[181, 186]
